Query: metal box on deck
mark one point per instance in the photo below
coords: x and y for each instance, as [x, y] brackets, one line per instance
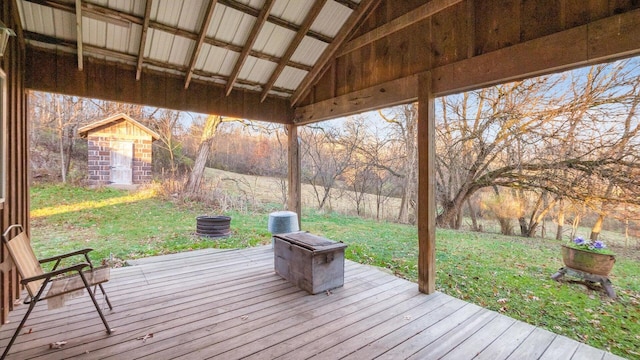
[311, 262]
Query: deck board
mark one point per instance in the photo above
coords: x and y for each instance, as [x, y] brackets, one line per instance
[229, 304]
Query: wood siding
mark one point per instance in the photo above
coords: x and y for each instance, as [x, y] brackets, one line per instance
[57, 72]
[475, 43]
[15, 208]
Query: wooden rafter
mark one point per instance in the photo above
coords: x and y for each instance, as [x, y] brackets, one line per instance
[201, 36]
[79, 33]
[304, 27]
[251, 39]
[143, 38]
[397, 24]
[364, 8]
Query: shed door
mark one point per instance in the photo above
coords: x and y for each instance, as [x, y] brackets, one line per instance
[121, 161]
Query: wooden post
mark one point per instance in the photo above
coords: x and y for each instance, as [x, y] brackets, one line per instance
[294, 200]
[426, 186]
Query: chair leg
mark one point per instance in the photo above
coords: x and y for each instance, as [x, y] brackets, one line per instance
[106, 298]
[32, 304]
[95, 303]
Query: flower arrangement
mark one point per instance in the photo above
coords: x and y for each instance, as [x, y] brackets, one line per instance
[597, 246]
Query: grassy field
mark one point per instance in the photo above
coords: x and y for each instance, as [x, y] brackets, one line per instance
[506, 274]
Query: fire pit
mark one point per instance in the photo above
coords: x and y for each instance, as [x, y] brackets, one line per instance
[213, 226]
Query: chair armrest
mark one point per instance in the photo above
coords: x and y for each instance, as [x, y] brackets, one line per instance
[62, 256]
[49, 275]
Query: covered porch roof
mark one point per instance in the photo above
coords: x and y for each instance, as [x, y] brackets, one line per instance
[291, 62]
[229, 304]
[298, 62]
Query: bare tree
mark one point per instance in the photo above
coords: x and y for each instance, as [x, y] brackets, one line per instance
[550, 135]
[167, 124]
[204, 147]
[404, 121]
[327, 159]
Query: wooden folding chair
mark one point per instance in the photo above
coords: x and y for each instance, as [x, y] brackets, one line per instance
[58, 281]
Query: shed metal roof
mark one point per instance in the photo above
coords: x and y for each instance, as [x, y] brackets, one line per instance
[177, 40]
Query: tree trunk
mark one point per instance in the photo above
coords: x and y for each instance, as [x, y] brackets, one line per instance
[597, 228]
[524, 227]
[472, 214]
[403, 214]
[69, 149]
[560, 220]
[574, 226]
[63, 174]
[206, 140]
[449, 215]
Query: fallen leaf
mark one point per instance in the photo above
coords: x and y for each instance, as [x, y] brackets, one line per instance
[29, 331]
[329, 292]
[244, 317]
[57, 344]
[502, 301]
[144, 338]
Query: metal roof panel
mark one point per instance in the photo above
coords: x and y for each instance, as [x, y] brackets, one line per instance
[135, 7]
[309, 51]
[331, 18]
[290, 78]
[216, 60]
[181, 50]
[273, 40]
[230, 25]
[257, 70]
[293, 11]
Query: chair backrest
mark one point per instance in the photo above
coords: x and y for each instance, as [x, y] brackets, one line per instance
[23, 256]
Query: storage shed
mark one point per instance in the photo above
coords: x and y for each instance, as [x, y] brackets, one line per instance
[120, 151]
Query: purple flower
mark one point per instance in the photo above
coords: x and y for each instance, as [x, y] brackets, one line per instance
[599, 245]
[579, 241]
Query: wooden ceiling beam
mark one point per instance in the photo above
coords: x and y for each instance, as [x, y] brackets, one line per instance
[304, 27]
[201, 36]
[397, 24]
[143, 38]
[71, 47]
[251, 40]
[363, 9]
[79, 33]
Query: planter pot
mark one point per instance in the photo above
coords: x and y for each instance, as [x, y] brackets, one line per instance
[594, 263]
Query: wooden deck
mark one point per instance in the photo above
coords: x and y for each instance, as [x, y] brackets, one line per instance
[230, 304]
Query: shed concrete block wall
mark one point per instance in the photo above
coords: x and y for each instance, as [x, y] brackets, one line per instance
[100, 147]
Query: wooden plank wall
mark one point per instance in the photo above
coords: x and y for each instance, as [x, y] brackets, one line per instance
[15, 208]
[466, 30]
[58, 72]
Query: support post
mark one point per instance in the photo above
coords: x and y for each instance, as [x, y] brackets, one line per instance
[426, 186]
[294, 199]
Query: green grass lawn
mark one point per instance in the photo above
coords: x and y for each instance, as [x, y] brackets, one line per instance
[506, 274]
